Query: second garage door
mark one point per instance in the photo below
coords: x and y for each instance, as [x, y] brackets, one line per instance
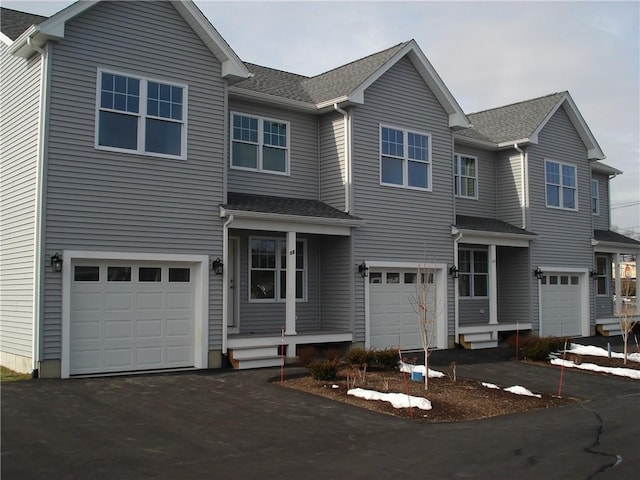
[392, 315]
[561, 300]
[130, 316]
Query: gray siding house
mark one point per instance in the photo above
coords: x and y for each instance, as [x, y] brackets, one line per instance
[166, 205]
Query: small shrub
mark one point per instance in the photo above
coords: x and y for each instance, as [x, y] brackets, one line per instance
[386, 359]
[537, 349]
[358, 356]
[324, 369]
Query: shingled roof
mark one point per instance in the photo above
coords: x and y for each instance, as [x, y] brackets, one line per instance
[613, 237]
[485, 224]
[13, 23]
[511, 122]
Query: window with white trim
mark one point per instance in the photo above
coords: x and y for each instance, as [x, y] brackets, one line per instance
[465, 176]
[602, 278]
[405, 158]
[259, 143]
[595, 198]
[473, 273]
[139, 115]
[268, 270]
[561, 186]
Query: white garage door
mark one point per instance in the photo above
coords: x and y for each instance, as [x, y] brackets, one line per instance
[392, 317]
[561, 301]
[129, 316]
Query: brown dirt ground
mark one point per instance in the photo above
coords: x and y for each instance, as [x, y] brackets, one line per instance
[459, 401]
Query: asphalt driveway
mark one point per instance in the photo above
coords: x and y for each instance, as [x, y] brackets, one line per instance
[235, 424]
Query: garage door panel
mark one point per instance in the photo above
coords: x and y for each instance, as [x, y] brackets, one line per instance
[117, 358]
[149, 328]
[118, 301]
[149, 301]
[149, 357]
[117, 330]
[86, 331]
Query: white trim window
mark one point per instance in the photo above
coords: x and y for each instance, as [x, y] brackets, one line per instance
[473, 273]
[465, 170]
[268, 269]
[595, 197]
[561, 185]
[405, 158]
[602, 278]
[259, 144]
[140, 115]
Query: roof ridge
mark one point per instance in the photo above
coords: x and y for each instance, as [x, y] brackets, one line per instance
[518, 103]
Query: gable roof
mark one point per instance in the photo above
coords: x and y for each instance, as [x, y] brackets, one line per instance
[489, 225]
[52, 28]
[13, 22]
[347, 83]
[522, 122]
[607, 236]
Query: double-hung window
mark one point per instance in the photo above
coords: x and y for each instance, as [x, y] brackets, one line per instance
[138, 115]
[465, 176]
[602, 278]
[561, 186]
[473, 273]
[259, 144]
[268, 268]
[595, 198]
[405, 158]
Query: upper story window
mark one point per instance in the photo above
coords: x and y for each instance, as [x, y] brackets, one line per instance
[138, 115]
[268, 268]
[595, 198]
[259, 144]
[561, 186]
[473, 275]
[405, 158]
[465, 176]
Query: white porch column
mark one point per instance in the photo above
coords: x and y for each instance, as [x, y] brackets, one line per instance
[291, 284]
[618, 305]
[493, 286]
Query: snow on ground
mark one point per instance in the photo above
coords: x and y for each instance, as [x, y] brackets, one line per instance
[592, 350]
[623, 372]
[409, 368]
[517, 389]
[490, 385]
[398, 400]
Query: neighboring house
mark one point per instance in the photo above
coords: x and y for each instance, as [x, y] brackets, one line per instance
[165, 205]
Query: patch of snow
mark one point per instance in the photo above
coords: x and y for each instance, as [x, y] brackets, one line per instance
[490, 385]
[518, 390]
[398, 400]
[334, 386]
[594, 351]
[622, 372]
[409, 368]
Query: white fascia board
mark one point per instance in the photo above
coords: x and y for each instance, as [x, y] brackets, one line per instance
[613, 247]
[520, 142]
[599, 167]
[341, 101]
[242, 93]
[6, 40]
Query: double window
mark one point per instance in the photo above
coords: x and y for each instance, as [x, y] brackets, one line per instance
[405, 158]
[561, 186]
[138, 115]
[465, 176]
[595, 198]
[259, 144]
[473, 273]
[268, 268]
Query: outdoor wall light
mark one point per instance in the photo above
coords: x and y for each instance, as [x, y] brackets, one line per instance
[593, 273]
[453, 271]
[56, 262]
[538, 273]
[217, 266]
[363, 269]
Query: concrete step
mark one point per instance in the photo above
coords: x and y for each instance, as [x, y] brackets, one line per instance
[258, 356]
[257, 362]
[240, 353]
[609, 327]
[478, 341]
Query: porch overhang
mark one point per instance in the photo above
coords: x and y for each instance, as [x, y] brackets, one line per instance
[490, 231]
[606, 241]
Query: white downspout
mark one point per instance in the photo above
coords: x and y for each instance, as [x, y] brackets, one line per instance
[523, 185]
[38, 240]
[456, 291]
[347, 158]
[225, 281]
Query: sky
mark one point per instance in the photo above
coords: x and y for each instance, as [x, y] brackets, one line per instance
[488, 54]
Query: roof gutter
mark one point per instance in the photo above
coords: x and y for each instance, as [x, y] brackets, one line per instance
[348, 184]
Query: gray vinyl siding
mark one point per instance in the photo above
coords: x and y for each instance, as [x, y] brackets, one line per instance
[601, 221]
[332, 160]
[514, 285]
[485, 204]
[269, 317]
[401, 224]
[473, 311]
[303, 180]
[335, 279]
[19, 107]
[564, 236]
[509, 197]
[107, 201]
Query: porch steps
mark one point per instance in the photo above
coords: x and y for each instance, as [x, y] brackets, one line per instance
[257, 356]
[608, 327]
[477, 341]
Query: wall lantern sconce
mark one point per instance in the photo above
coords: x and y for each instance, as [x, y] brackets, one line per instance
[538, 273]
[363, 269]
[594, 274]
[217, 266]
[453, 271]
[56, 262]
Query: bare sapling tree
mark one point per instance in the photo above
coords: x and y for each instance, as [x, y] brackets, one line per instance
[627, 313]
[424, 304]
